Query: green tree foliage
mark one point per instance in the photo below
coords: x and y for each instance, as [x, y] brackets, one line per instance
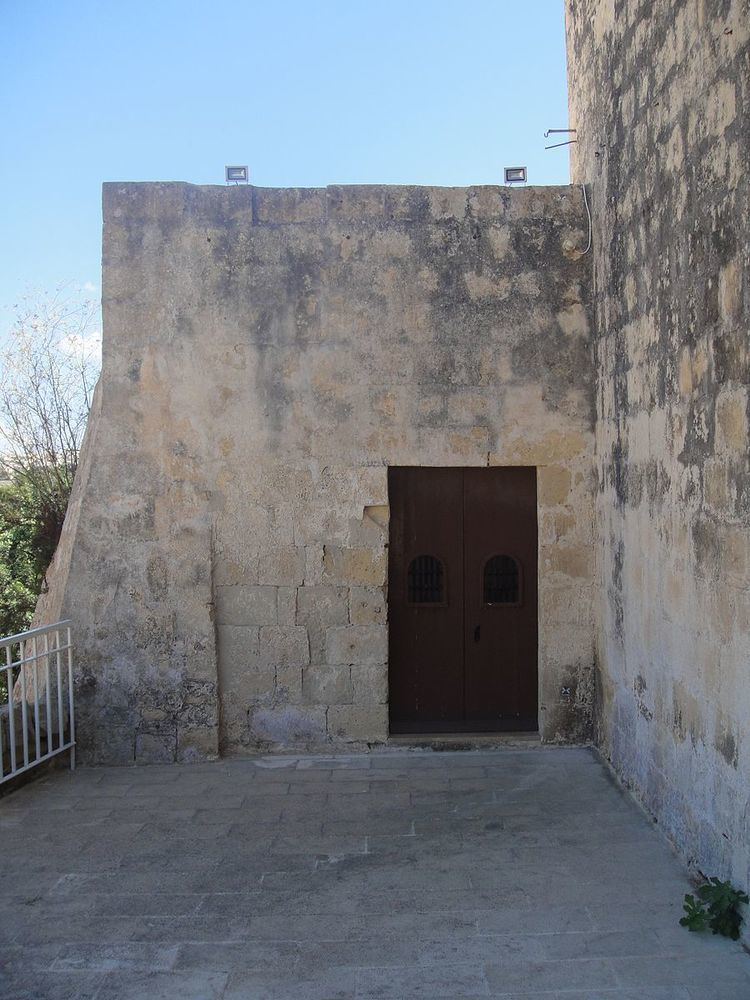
[28, 535]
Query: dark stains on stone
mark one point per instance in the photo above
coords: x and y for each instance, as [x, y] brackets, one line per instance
[156, 576]
[571, 717]
[723, 237]
[184, 325]
[552, 358]
[707, 548]
[639, 689]
[169, 715]
[699, 433]
[739, 486]
[711, 300]
[273, 392]
[678, 721]
[414, 206]
[726, 743]
[614, 589]
[731, 356]
[619, 471]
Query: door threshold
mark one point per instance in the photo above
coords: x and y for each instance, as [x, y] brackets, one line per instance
[464, 741]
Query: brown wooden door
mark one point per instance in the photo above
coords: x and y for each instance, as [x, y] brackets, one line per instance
[462, 600]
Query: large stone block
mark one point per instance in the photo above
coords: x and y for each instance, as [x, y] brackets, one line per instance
[246, 605]
[323, 684]
[237, 689]
[156, 743]
[348, 202]
[370, 684]
[322, 605]
[367, 724]
[288, 725]
[283, 566]
[573, 560]
[238, 648]
[314, 564]
[196, 743]
[357, 644]
[570, 604]
[553, 484]
[228, 571]
[354, 566]
[288, 686]
[276, 206]
[319, 607]
[284, 646]
[244, 530]
[732, 420]
[367, 606]
[286, 606]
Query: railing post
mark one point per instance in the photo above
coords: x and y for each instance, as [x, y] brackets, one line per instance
[11, 707]
[37, 734]
[48, 692]
[70, 701]
[58, 666]
[24, 707]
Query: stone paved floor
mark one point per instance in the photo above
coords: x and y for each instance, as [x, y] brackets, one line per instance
[397, 874]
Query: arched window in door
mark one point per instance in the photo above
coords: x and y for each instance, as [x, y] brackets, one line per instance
[501, 580]
[425, 581]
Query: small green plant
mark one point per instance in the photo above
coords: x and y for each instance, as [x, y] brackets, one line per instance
[717, 907]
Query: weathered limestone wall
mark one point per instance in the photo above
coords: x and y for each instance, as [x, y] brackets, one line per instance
[660, 95]
[267, 355]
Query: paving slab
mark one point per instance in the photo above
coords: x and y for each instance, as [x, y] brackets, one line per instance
[512, 872]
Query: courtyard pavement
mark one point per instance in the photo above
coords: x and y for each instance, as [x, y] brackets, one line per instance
[395, 874]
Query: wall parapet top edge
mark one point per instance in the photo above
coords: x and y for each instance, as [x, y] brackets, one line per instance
[141, 200]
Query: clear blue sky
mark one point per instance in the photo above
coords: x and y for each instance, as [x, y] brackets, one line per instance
[307, 92]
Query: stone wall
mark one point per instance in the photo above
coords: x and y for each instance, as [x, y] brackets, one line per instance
[660, 96]
[267, 355]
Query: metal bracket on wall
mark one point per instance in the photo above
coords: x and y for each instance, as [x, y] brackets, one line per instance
[552, 131]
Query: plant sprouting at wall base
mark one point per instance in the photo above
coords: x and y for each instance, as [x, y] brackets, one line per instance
[717, 908]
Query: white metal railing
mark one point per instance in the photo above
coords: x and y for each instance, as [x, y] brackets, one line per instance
[36, 705]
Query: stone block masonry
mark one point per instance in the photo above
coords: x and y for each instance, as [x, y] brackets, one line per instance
[660, 95]
[267, 355]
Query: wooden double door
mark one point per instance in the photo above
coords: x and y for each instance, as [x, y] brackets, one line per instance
[462, 600]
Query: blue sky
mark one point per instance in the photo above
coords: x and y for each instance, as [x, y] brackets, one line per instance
[306, 93]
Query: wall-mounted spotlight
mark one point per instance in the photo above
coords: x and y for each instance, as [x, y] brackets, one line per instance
[515, 175]
[236, 175]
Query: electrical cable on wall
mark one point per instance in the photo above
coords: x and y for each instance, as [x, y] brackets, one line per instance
[569, 142]
[588, 212]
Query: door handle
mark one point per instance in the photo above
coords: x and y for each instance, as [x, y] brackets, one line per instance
[476, 633]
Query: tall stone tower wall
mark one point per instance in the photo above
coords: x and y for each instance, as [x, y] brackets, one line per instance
[267, 355]
[660, 98]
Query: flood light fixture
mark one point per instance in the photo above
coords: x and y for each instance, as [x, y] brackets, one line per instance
[515, 175]
[236, 175]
